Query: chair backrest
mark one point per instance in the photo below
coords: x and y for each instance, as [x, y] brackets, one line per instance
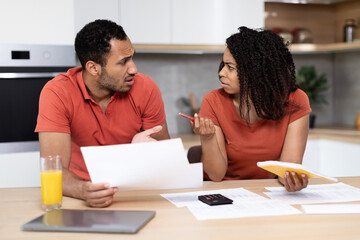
[194, 154]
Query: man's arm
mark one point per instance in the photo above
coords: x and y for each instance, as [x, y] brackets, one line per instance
[162, 134]
[96, 195]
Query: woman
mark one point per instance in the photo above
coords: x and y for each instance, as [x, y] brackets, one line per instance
[259, 113]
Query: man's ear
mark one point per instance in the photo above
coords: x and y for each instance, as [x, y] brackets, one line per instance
[93, 68]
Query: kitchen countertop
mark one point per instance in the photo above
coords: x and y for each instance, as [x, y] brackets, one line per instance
[342, 134]
[349, 135]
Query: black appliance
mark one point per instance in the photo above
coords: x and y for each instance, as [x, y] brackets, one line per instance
[24, 70]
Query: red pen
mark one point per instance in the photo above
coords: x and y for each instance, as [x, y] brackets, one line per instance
[186, 116]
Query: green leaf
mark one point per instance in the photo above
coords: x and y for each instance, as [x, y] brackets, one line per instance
[312, 84]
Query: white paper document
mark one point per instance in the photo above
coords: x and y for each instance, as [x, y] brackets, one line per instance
[242, 210]
[321, 193]
[332, 209]
[190, 198]
[245, 204]
[140, 166]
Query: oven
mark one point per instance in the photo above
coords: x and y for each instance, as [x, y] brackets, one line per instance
[24, 70]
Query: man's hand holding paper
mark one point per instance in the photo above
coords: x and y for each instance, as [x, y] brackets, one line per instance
[150, 165]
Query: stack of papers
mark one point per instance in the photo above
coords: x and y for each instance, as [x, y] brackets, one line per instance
[141, 166]
[331, 209]
[321, 193]
[249, 204]
[245, 204]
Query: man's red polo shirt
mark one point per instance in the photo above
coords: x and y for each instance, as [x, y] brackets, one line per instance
[65, 106]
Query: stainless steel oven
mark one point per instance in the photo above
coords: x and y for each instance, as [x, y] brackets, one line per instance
[24, 70]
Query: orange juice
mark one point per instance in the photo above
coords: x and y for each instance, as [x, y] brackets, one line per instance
[51, 187]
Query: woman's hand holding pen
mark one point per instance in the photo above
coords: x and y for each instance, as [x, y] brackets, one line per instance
[203, 126]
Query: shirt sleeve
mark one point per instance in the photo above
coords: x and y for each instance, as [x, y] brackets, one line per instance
[207, 108]
[300, 105]
[52, 116]
[154, 112]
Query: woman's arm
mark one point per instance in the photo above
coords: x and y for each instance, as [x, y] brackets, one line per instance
[213, 156]
[293, 151]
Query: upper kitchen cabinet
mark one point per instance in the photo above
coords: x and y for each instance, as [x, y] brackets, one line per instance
[86, 11]
[37, 22]
[212, 21]
[146, 21]
[207, 22]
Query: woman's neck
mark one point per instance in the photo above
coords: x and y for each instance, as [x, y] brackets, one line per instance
[253, 117]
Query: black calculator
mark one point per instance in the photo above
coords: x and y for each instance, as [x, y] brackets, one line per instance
[215, 199]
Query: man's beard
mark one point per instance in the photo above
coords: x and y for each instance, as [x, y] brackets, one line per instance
[109, 83]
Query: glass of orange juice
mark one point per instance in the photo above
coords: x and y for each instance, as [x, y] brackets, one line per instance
[51, 182]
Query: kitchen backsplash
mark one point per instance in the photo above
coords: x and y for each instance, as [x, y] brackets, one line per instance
[178, 75]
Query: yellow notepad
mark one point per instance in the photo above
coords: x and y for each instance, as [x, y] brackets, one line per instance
[280, 168]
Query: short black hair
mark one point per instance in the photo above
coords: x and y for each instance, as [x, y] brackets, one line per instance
[266, 71]
[92, 43]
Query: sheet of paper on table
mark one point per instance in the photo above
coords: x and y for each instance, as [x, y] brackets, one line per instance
[245, 204]
[141, 166]
[331, 209]
[320, 193]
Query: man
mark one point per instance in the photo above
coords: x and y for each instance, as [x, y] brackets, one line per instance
[103, 102]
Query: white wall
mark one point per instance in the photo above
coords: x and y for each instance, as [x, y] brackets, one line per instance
[37, 21]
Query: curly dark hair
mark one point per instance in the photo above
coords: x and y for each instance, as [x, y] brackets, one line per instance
[92, 43]
[266, 72]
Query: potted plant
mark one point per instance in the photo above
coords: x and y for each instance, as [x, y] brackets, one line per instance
[313, 85]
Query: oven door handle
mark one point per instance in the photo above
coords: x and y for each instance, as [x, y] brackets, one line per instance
[28, 75]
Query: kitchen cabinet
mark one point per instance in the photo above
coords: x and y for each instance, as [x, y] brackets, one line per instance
[37, 22]
[207, 22]
[146, 21]
[212, 21]
[20, 169]
[332, 158]
[86, 11]
[324, 20]
[174, 22]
